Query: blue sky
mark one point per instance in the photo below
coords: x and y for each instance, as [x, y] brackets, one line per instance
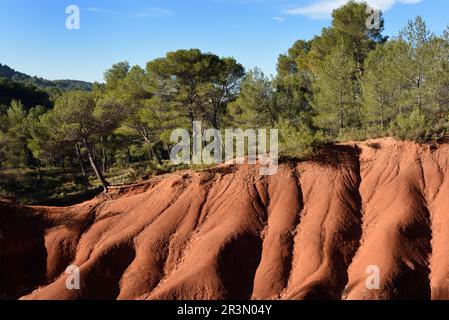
[36, 41]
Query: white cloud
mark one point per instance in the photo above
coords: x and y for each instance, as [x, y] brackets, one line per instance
[322, 9]
[280, 19]
[97, 10]
[93, 9]
[155, 12]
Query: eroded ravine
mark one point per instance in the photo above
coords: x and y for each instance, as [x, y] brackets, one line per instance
[308, 232]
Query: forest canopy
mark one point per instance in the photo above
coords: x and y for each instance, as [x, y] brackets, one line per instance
[347, 83]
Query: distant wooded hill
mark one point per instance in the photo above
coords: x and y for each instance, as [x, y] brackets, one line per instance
[9, 73]
[27, 93]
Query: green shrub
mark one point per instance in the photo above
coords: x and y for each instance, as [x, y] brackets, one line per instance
[352, 134]
[49, 182]
[120, 160]
[6, 194]
[297, 140]
[412, 127]
[361, 134]
[167, 166]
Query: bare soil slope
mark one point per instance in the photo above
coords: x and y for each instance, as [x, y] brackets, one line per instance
[309, 232]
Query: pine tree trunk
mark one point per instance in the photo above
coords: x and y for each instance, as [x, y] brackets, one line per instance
[97, 171]
[382, 118]
[104, 157]
[104, 160]
[381, 107]
[39, 172]
[128, 155]
[166, 149]
[155, 156]
[80, 160]
[341, 119]
[63, 166]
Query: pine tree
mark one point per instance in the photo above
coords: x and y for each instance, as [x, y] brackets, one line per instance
[13, 138]
[380, 94]
[78, 119]
[293, 84]
[336, 100]
[255, 105]
[417, 64]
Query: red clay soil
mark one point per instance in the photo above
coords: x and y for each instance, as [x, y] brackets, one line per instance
[308, 232]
